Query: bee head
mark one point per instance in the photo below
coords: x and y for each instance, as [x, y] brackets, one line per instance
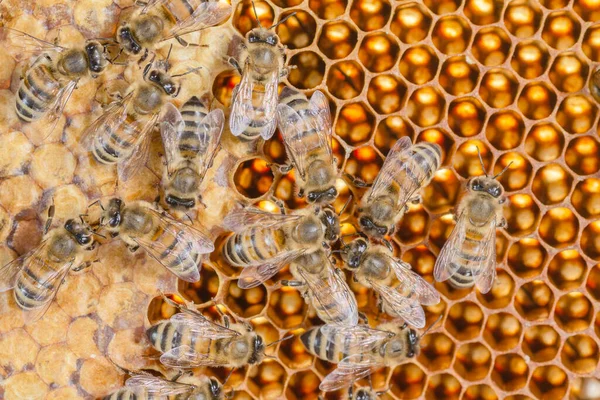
[322, 197]
[81, 232]
[258, 350]
[96, 57]
[353, 252]
[331, 222]
[363, 394]
[413, 343]
[372, 229]
[262, 35]
[112, 213]
[178, 202]
[215, 387]
[484, 184]
[127, 40]
[164, 81]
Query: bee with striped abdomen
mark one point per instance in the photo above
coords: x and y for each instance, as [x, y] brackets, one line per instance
[37, 276]
[191, 140]
[160, 20]
[175, 245]
[469, 255]
[407, 168]
[306, 130]
[265, 242]
[48, 83]
[401, 292]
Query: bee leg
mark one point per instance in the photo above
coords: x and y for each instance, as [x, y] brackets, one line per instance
[224, 318]
[133, 249]
[233, 62]
[416, 199]
[51, 210]
[363, 317]
[503, 223]
[388, 245]
[83, 266]
[279, 204]
[357, 181]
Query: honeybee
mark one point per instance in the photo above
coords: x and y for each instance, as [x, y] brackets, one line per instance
[407, 168]
[401, 291]
[148, 387]
[359, 348]
[161, 20]
[175, 245]
[191, 140]
[264, 242]
[306, 130]
[469, 255]
[261, 65]
[37, 276]
[48, 83]
[325, 288]
[189, 340]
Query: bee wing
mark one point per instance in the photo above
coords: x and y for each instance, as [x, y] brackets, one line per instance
[62, 98]
[348, 371]
[207, 14]
[10, 271]
[156, 386]
[269, 105]
[21, 45]
[139, 156]
[389, 169]
[292, 126]
[242, 108]
[201, 326]
[332, 290]
[213, 123]
[358, 338]
[171, 127]
[186, 357]
[445, 266]
[409, 309]
[423, 291]
[240, 219]
[114, 115]
[255, 275]
[485, 272]
[319, 105]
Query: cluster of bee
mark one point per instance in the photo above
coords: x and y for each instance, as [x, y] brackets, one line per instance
[262, 243]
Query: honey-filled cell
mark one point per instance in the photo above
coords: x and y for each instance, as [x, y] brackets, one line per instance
[411, 22]
[464, 321]
[513, 171]
[586, 198]
[503, 331]
[561, 30]
[479, 392]
[253, 178]
[386, 94]
[588, 10]
[269, 381]
[419, 64]
[205, 289]
[459, 75]
[567, 270]
[286, 308]
[534, 301]
[473, 361]
[549, 382]
[451, 35]
[501, 294]
[421, 260]
[426, 106]
[355, 124]
[303, 385]
[527, 258]
[413, 376]
[523, 18]
[413, 226]
[505, 130]
[308, 71]
[244, 18]
[467, 162]
[442, 192]
[345, 80]
[491, 46]
[328, 9]
[568, 72]
[441, 7]
[551, 184]
[522, 215]
[443, 386]
[437, 352]
[537, 100]
[498, 88]
[576, 114]
[223, 87]
[590, 44]
[390, 130]
[559, 227]
[580, 354]
[337, 39]
[364, 163]
[378, 52]
[510, 372]
[246, 303]
[583, 155]
[545, 142]
[466, 116]
[541, 343]
[483, 12]
[294, 355]
[298, 30]
[370, 15]
[574, 312]
[530, 58]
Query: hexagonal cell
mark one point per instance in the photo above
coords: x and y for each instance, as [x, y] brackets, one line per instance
[303, 385]
[464, 320]
[530, 59]
[568, 72]
[244, 19]
[443, 386]
[370, 15]
[501, 293]
[204, 290]
[245, 302]
[437, 351]
[459, 75]
[567, 270]
[378, 52]
[364, 163]
[576, 114]
[517, 171]
[498, 88]
[466, 159]
[285, 190]
[491, 46]
[390, 130]
[593, 282]
[466, 116]
[552, 184]
[223, 86]
[583, 155]
[159, 309]
[297, 31]
[534, 301]
[345, 80]
[559, 227]
[502, 331]
[580, 354]
[527, 257]
[479, 392]
[309, 71]
[549, 382]
[386, 94]
[561, 30]
[522, 215]
[545, 142]
[328, 9]
[537, 100]
[253, 178]
[411, 22]
[587, 10]
[419, 64]
[440, 230]
[586, 198]
[473, 361]
[269, 381]
[510, 372]
[522, 18]
[294, 355]
[355, 124]
[286, 308]
[415, 380]
[590, 44]
[541, 343]
[451, 35]
[574, 312]
[483, 12]
[337, 39]
[426, 106]
[413, 226]
[441, 194]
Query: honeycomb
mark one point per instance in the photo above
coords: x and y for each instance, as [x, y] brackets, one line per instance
[507, 77]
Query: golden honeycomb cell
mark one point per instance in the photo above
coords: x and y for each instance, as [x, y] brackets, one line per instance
[534, 301]
[567, 270]
[246, 303]
[244, 18]
[425, 106]
[498, 88]
[268, 381]
[465, 320]
[298, 31]
[451, 35]
[510, 372]
[491, 46]
[345, 80]
[580, 354]
[551, 184]
[370, 15]
[386, 94]
[541, 343]
[286, 308]
[527, 257]
[466, 159]
[502, 331]
[419, 64]
[466, 116]
[576, 114]
[442, 7]
[411, 22]
[355, 124]
[583, 155]
[459, 75]
[586, 198]
[479, 392]
[559, 227]
[253, 178]
[378, 52]
[328, 9]
[561, 30]
[389, 130]
[522, 215]
[549, 382]
[545, 142]
[568, 72]
[473, 361]
[522, 18]
[590, 240]
[303, 385]
[364, 163]
[530, 58]
[517, 171]
[590, 44]
[337, 39]
[501, 294]
[415, 380]
[536, 101]
[309, 70]
[444, 386]
[413, 227]
[437, 352]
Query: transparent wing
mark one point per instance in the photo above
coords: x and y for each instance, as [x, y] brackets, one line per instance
[130, 166]
[319, 105]
[110, 120]
[388, 171]
[21, 45]
[485, 271]
[10, 271]
[201, 326]
[409, 309]
[156, 386]
[186, 357]
[291, 126]
[358, 338]
[420, 289]
[242, 110]
[62, 98]
[207, 14]
[238, 220]
[47, 291]
[213, 123]
[152, 3]
[348, 371]
[445, 265]
[256, 275]
[171, 127]
[269, 105]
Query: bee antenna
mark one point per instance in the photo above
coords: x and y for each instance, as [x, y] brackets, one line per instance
[431, 326]
[185, 73]
[97, 202]
[283, 20]
[345, 205]
[256, 14]
[481, 161]
[279, 341]
[228, 376]
[503, 171]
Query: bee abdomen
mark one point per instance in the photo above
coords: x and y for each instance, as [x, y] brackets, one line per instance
[179, 255]
[326, 348]
[130, 394]
[36, 93]
[462, 278]
[32, 289]
[251, 246]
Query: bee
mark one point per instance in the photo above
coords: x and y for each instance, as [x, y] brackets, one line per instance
[148, 387]
[191, 140]
[325, 288]
[37, 276]
[254, 101]
[401, 291]
[48, 83]
[407, 168]
[306, 129]
[469, 255]
[175, 245]
[161, 20]
[264, 242]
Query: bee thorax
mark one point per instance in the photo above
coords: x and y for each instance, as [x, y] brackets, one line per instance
[147, 28]
[74, 63]
[308, 231]
[148, 99]
[185, 180]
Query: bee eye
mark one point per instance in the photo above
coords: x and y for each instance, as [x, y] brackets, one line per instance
[253, 38]
[272, 40]
[494, 191]
[312, 196]
[476, 185]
